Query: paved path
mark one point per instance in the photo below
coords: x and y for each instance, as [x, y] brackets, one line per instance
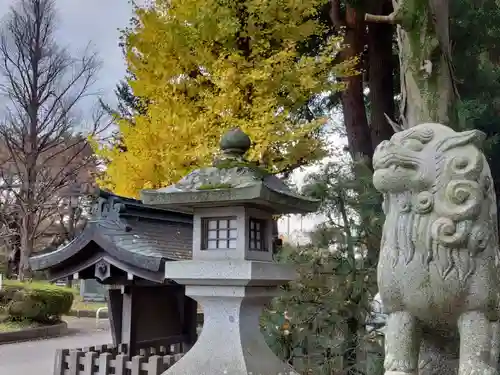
[37, 357]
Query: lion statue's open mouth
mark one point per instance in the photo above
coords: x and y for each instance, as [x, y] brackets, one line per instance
[394, 167]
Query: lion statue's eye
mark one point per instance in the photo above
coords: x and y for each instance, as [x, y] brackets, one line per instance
[412, 144]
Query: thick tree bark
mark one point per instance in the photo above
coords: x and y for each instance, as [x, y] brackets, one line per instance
[352, 26]
[427, 85]
[363, 138]
[380, 75]
[26, 246]
[382, 93]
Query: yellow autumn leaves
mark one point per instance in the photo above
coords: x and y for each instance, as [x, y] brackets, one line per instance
[208, 66]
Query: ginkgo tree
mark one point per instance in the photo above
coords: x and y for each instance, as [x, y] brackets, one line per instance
[204, 67]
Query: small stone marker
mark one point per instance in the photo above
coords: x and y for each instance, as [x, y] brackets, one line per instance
[92, 291]
[232, 274]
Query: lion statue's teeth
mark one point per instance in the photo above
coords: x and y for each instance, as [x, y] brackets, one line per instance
[438, 266]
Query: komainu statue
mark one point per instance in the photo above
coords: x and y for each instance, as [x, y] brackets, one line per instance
[438, 272]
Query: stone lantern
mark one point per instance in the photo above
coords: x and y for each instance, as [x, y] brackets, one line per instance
[232, 274]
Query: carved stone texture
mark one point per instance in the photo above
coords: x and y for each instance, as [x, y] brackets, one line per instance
[233, 294]
[235, 142]
[217, 177]
[438, 272]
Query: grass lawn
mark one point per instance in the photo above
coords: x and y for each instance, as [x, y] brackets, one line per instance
[9, 326]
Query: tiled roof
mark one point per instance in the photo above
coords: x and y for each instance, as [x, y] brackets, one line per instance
[128, 231]
[161, 239]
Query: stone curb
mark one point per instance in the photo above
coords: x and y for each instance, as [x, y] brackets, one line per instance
[87, 314]
[34, 333]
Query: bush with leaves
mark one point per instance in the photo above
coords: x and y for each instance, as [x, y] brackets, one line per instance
[37, 301]
[318, 324]
[308, 325]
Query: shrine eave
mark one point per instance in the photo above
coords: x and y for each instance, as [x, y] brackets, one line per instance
[93, 261]
[93, 240]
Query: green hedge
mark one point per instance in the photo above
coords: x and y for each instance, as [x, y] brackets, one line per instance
[37, 301]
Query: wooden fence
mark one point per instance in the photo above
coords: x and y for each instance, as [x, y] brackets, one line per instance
[104, 360]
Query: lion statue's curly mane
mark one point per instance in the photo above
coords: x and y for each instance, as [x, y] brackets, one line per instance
[439, 251]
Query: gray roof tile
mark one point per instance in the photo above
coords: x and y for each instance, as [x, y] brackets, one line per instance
[167, 239]
[130, 232]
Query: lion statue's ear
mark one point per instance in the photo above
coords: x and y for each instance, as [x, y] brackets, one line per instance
[395, 126]
[471, 137]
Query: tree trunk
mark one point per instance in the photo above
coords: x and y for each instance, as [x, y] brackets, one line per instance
[353, 102]
[425, 60]
[359, 135]
[26, 246]
[428, 92]
[381, 69]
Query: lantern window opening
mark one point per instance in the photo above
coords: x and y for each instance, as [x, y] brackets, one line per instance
[219, 233]
[257, 235]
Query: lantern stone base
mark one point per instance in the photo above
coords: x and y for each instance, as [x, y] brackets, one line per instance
[233, 294]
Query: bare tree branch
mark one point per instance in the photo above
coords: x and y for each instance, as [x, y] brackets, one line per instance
[44, 152]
